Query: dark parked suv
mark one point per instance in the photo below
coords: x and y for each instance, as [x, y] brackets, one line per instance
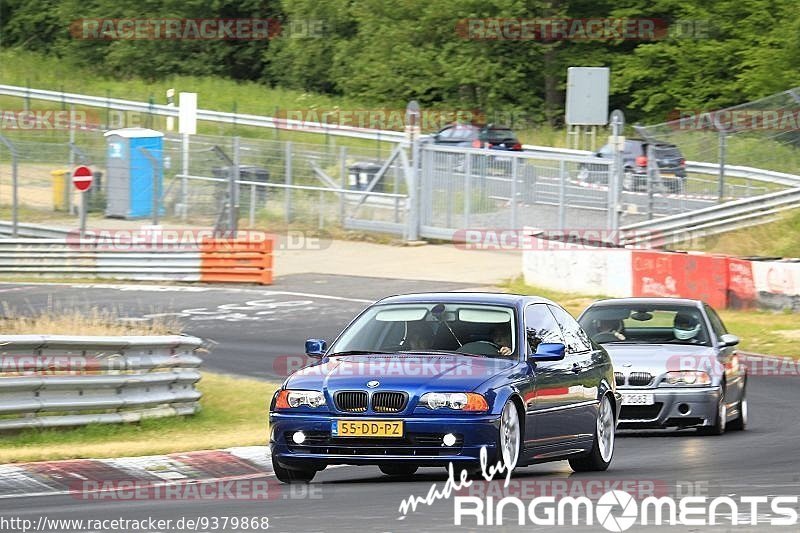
[671, 165]
[490, 136]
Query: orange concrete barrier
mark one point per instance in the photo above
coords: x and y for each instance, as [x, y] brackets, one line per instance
[236, 261]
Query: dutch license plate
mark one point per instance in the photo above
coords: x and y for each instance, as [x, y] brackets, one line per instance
[367, 428]
[637, 399]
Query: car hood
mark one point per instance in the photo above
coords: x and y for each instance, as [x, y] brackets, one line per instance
[657, 359]
[405, 372]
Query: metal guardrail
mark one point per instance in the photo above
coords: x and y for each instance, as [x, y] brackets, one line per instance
[711, 220]
[59, 380]
[215, 260]
[240, 119]
[35, 231]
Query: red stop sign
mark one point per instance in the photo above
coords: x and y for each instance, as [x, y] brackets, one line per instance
[82, 178]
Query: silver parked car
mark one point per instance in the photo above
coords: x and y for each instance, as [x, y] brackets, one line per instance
[675, 363]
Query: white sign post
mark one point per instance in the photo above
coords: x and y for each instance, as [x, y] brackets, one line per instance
[187, 125]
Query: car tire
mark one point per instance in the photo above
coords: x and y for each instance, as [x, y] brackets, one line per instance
[509, 437]
[399, 470]
[602, 452]
[740, 424]
[291, 475]
[720, 420]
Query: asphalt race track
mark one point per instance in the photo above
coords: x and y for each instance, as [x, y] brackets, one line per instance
[762, 461]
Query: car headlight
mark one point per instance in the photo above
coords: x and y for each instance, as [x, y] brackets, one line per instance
[459, 401]
[288, 399]
[687, 377]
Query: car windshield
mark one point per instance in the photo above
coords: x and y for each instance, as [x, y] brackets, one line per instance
[496, 135]
[467, 328]
[637, 323]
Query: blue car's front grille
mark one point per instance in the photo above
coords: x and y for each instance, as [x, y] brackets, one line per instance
[389, 402]
[413, 444]
[351, 401]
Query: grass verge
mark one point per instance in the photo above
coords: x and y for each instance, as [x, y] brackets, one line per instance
[776, 239]
[766, 332]
[234, 413]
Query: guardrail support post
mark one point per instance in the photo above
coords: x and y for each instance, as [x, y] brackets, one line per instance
[288, 180]
[723, 142]
[562, 195]
[514, 176]
[14, 199]
[343, 181]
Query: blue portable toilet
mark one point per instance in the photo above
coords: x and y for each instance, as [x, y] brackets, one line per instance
[132, 174]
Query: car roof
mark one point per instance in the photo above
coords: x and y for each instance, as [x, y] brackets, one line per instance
[687, 302]
[496, 298]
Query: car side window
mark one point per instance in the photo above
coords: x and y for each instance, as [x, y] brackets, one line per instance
[716, 321]
[575, 338]
[540, 326]
[446, 133]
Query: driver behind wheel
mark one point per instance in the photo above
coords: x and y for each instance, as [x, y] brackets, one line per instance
[501, 336]
[419, 336]
[608, 328]
[686, 326]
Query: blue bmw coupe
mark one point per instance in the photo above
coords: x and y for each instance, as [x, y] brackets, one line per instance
[431, 379]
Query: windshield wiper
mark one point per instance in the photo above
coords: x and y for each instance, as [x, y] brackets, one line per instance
[359, 352]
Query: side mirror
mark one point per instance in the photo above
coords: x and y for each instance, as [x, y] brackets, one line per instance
[316, 347]
[549, 351]
[728, 340]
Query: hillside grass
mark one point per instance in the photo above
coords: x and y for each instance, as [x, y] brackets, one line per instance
[775, 239]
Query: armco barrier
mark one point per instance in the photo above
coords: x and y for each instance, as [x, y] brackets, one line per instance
[58, 380]
[721, 281]
[212, 260]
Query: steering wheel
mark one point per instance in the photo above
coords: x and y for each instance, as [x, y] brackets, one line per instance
[480, 348]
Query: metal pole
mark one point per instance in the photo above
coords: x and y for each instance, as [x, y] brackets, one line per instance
[288, 181]
[467, 199]
[514, 174]
[233, 191]
[562, 195]
[13, 152]
[185, 173]
[83, 214]
[68, 190]
[723, 142]
[343, 174]
[651, 174]
[413, 192]
[252, 205]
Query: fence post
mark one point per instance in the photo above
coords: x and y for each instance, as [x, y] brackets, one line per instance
[68, 190]
[184, 178]
[343, 180]
[514, 176]
[467, 199]
[233, 191]
[413, 192]
[14, 200]
[562, 195]
[723, 142]
[288, 181]
[652, 169]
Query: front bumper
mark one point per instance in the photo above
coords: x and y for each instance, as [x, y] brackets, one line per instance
[421, 444]
[673, 407]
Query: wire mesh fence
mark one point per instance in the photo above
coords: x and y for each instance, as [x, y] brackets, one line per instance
[764, 134]
[223, 182]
